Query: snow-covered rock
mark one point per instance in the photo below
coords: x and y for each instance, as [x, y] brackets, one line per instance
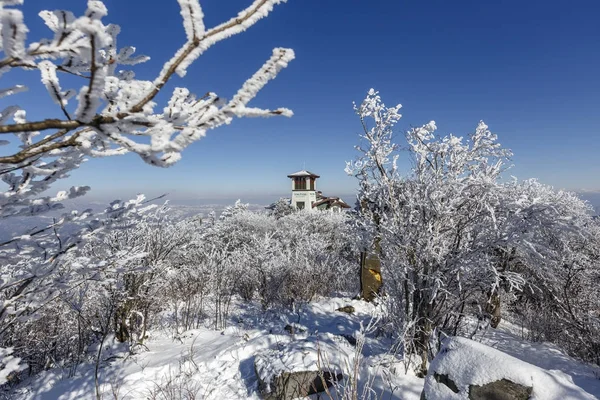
[465, 369]
[346, 309]
[302, 367]
[295, 328]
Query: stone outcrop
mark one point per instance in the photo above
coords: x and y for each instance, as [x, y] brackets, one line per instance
[298, 384]
[301, 367]
[465, 369]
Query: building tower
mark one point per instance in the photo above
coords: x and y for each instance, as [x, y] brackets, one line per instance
[304, 186]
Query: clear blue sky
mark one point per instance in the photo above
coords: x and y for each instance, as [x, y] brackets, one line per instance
[530, 69]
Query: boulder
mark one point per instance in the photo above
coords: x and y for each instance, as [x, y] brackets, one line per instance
[346, 309]
[298, 384]
[300, 368]
[500, 390]
[464, 369]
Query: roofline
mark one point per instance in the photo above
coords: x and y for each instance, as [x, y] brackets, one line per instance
[310, 174]
[334, 201]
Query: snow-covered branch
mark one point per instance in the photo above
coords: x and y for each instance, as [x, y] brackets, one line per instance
[111, 113]
[114, 113]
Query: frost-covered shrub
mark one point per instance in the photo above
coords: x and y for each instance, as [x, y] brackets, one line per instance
[281, 208]
[254, 257]
[565, 308]
[108, 288]
[454, 236]
[321, 252]
[284, 260]
[185, 291]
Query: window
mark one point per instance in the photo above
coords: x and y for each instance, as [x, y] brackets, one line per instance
[300, 205]
[300, 183]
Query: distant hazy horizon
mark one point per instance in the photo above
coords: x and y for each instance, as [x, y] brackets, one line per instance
[592, 196]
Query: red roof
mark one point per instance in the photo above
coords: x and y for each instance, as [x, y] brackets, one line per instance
[332, 201]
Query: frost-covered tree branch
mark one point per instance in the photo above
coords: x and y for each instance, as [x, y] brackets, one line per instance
[110, 114]
[113, 113]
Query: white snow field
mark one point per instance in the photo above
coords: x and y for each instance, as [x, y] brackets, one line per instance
[208, 364]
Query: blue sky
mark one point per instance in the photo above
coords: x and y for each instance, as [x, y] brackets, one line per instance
[529, 69]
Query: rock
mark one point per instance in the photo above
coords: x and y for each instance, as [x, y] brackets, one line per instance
[346, 309]
[464, 369]
[349, 338]
[303, 367]
[444, 379]
[500, 390]
[231, 330]
[293, 385]
[294, 329]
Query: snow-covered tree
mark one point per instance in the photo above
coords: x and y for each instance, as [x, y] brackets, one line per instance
[111, 113]
[561, 304]
[237, 208]
[450, 228]
[281, 208]
[156, 237]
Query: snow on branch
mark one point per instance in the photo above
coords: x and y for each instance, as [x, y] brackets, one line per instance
[12, 90]
[245, 19]
[193, 49]
[187, 119]
[193, 18]
[50, 80]
[379, 156]
[113, 114]
[14, 33]
[279, 60]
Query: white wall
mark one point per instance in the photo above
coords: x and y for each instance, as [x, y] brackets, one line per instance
[307, 196]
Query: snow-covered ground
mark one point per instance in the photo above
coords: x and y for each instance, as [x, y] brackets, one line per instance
[221, 365]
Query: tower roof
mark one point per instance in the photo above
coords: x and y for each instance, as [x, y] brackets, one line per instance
[302, 174]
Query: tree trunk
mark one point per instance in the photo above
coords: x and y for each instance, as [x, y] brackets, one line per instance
[370, 263]
[370, 272]
[422, 315]
[423, 336]
[493, 308]
[121, 328]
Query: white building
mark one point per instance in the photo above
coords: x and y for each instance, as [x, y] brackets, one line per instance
[306, 195]
[304, 189]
